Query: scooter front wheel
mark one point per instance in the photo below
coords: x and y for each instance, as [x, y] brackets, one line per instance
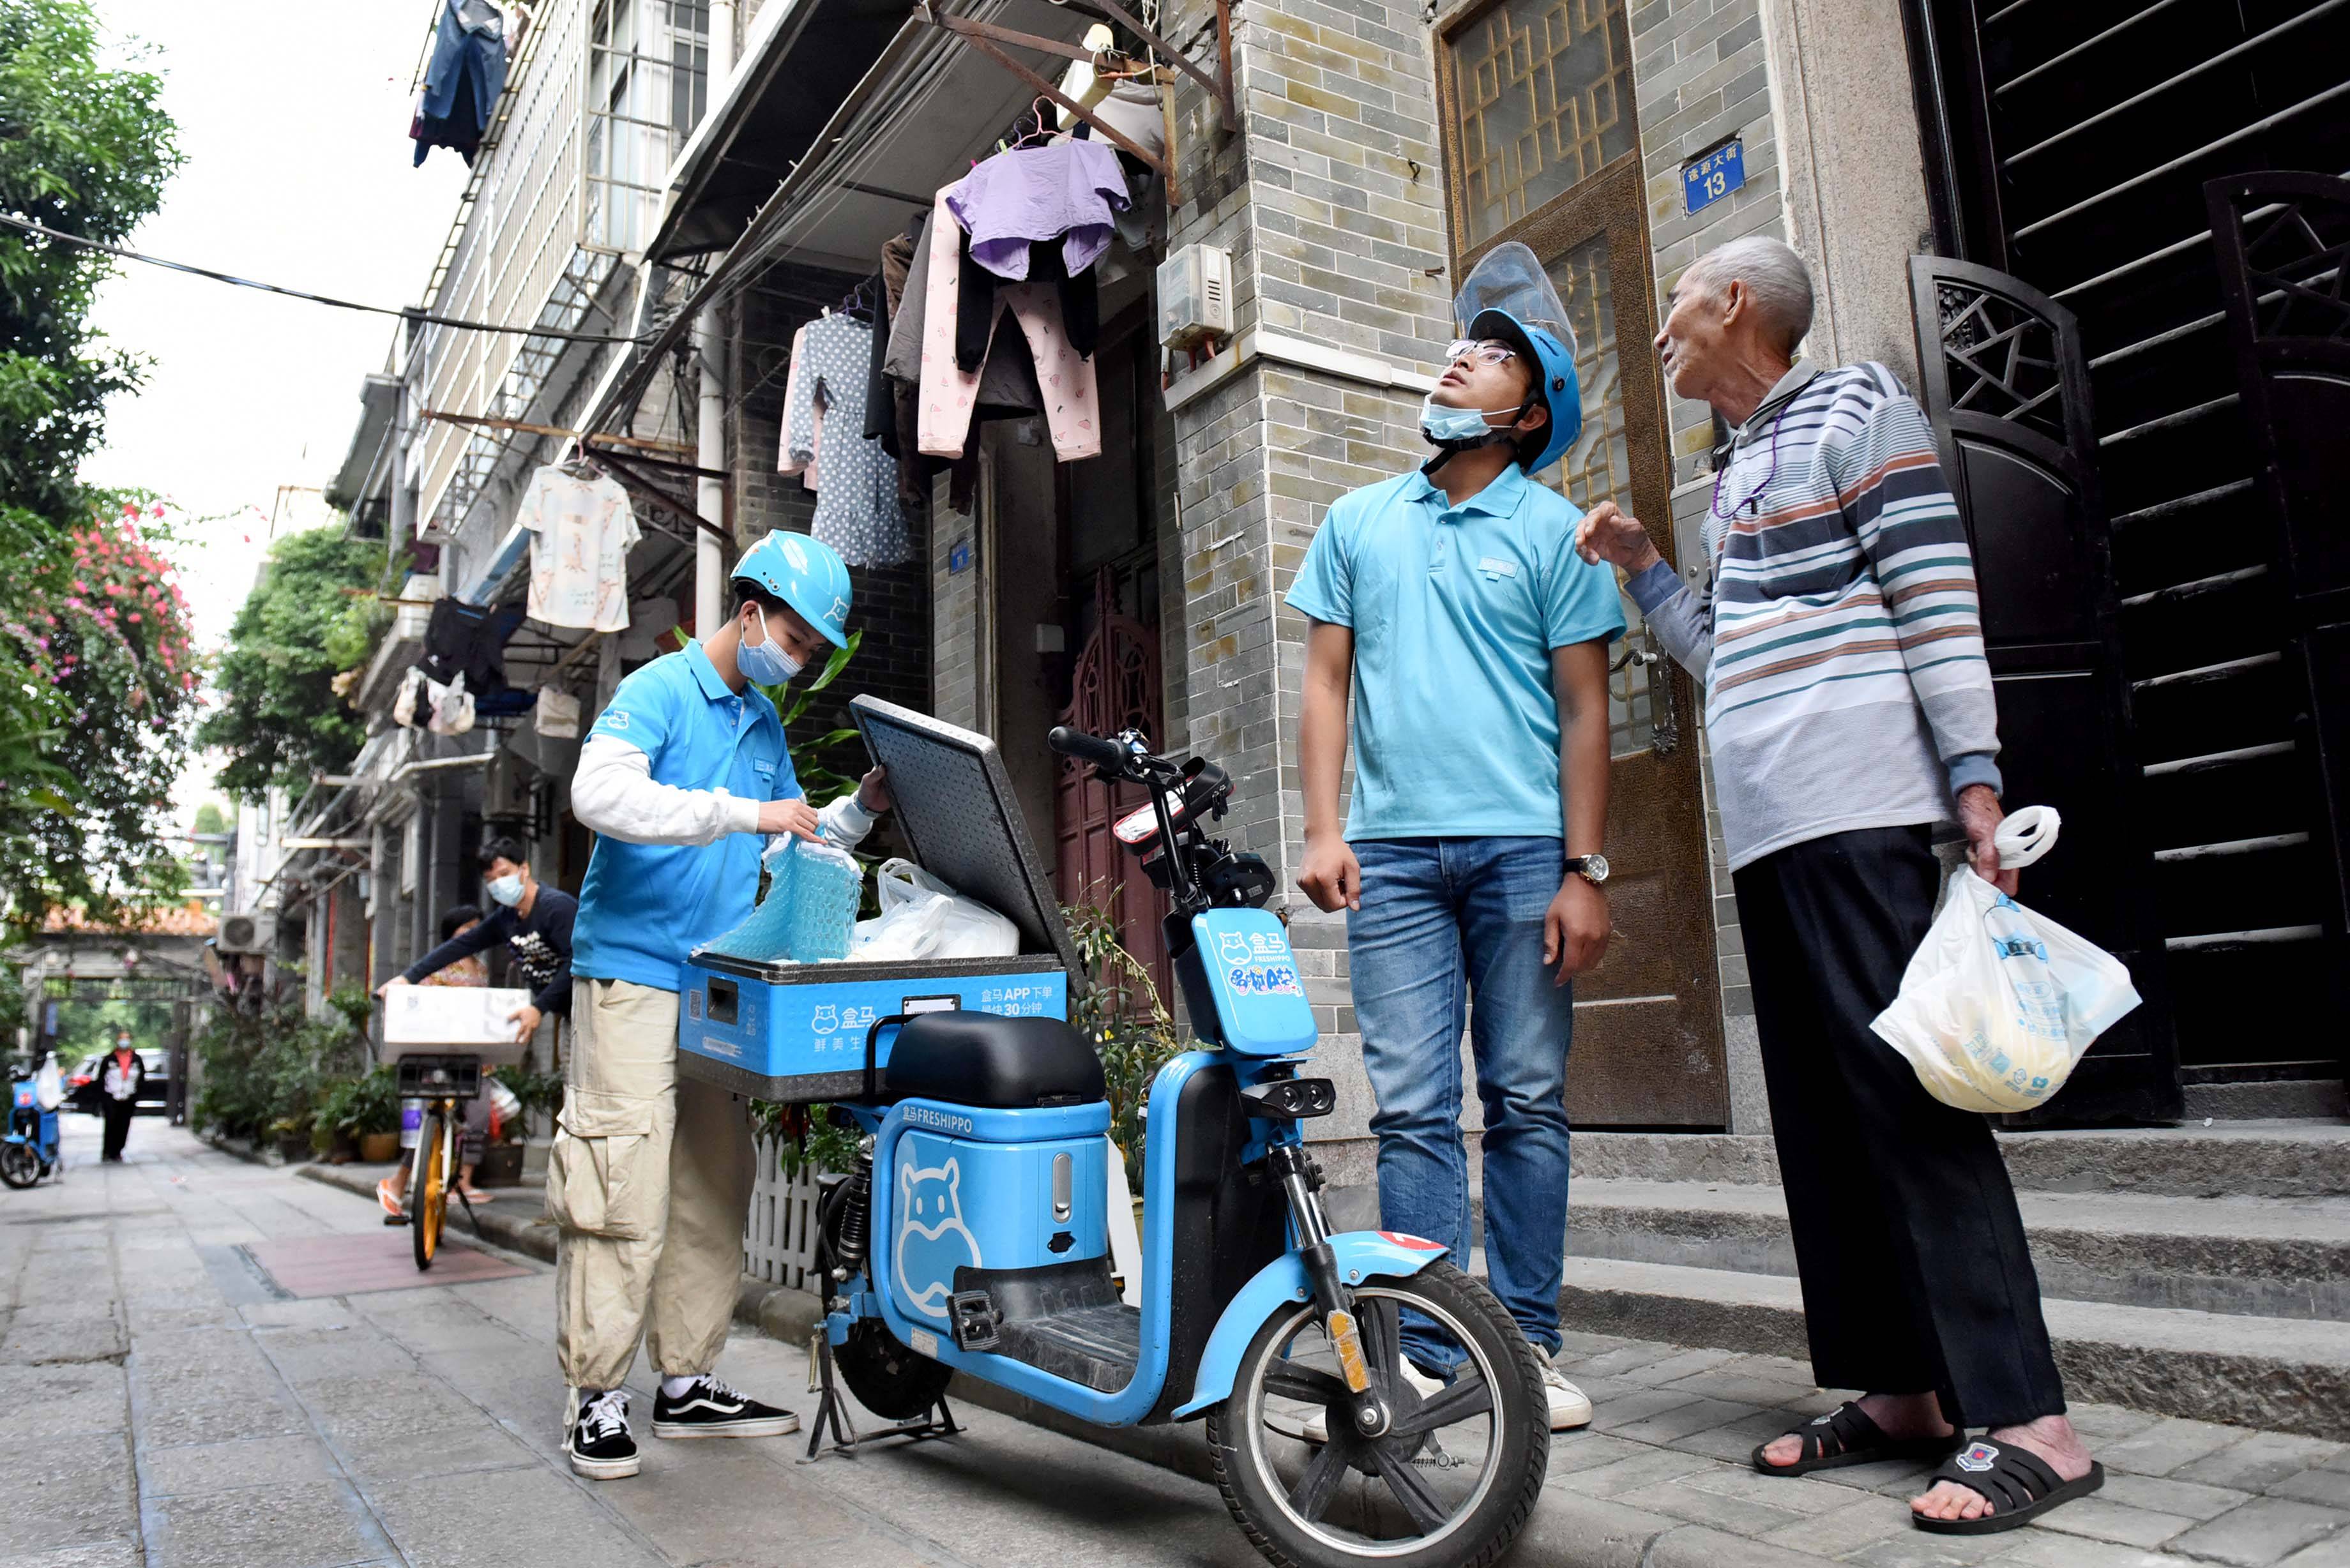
[20, 1167]
[1449, 1472]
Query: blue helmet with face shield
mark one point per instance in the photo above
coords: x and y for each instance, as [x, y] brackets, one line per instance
[1508, 297]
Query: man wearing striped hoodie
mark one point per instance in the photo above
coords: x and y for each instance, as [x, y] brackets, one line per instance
[1850, 715]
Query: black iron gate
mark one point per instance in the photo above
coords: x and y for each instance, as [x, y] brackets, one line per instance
[2282, 242]
[2004, 382]
[2068, 144]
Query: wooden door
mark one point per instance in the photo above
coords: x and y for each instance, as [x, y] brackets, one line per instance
[1115, 686]
[1517, 79]
[2007, 387]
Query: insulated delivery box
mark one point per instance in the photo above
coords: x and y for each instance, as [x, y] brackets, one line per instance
[798, 1033]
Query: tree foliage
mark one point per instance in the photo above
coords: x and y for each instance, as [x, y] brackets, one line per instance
[100, 675]
[85, 151]
[97, 689]
[280, 720]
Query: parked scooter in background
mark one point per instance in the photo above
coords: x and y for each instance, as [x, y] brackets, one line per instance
[29, 1151]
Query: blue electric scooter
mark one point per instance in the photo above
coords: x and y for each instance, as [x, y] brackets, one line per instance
[28, 1150]
[973, 1238]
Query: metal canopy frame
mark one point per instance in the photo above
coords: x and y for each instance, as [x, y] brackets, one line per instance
[988, 40]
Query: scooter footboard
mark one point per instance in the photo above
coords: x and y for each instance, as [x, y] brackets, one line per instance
[1361, 1255]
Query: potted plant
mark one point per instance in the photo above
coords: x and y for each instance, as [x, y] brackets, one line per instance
[541, 1095]
[292, 1137]
[330, 1135]
[371, 1116]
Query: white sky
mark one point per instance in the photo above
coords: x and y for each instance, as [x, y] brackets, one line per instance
[294, 126]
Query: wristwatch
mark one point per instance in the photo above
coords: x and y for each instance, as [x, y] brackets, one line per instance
[1592, 869]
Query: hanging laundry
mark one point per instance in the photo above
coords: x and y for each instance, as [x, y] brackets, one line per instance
[581, 531]
[880, 423]
[558, 718]
[949, 392]
[857, 508]
[1007, 380]
[797, 450]
[466, 639]
[1065, 191]
[975, 304]
[463, 82]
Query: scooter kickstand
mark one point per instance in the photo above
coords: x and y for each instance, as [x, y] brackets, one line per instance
[832, 1414]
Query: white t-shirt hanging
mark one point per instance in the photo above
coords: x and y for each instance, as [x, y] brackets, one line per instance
[579, 557]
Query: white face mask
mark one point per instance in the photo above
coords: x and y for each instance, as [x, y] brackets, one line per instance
[763, 663]
[506, 889]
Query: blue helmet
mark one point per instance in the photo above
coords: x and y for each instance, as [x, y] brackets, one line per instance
[1508, 296]
[807, 574]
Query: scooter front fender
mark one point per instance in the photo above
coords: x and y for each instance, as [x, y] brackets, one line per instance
[1361, 1255]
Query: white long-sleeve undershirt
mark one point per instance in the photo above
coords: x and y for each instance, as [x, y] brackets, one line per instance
[614, 792]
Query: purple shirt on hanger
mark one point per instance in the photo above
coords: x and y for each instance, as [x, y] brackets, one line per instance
[1064, 189]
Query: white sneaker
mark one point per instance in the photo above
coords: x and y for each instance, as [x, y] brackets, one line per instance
[1569, 1406]
[1314, 1426]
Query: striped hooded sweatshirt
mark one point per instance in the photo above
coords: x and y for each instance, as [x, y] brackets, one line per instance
[1838, 637]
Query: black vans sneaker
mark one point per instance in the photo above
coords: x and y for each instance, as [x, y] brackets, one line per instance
[711, 1409]
[598, 1443]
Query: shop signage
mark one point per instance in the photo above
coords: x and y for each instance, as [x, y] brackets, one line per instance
[1707, 180]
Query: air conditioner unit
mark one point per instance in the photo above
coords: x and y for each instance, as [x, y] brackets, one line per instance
[1195, 296]
[251, 932]
[506, 785]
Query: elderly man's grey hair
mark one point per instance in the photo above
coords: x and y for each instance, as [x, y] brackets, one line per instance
[1775, 278]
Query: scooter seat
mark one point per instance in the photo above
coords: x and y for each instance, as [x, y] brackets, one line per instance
[996, 1063]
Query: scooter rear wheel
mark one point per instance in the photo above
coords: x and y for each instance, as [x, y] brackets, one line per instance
[889, 1379]
[19, 1165]
[1451, 1480]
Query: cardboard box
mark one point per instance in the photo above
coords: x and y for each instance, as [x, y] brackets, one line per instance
[451, 1018]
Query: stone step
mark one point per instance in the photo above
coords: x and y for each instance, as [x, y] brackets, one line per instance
[2292, 1374]
[2226, 1159]
[2263, 1257]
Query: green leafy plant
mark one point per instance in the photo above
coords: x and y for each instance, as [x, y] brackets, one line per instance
[1122, 1014]
[269, 1072]
[805, 1137]
[818, 760]
[541, 1094]
[354, 1108]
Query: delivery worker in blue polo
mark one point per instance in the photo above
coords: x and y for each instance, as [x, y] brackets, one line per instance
[1475, 639]
[683, 777]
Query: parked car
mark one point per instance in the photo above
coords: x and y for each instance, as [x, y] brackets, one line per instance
[82, 1088]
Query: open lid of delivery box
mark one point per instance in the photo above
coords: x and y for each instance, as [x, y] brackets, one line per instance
[957, 811]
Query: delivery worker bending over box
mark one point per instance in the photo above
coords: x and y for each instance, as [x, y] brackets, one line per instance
[650, 1178]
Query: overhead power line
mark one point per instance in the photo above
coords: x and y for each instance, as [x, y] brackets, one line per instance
[410, 313]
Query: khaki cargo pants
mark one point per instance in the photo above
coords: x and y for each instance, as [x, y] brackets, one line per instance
[648, 1183]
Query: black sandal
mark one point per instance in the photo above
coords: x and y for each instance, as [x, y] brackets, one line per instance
[2017, 1481]
[1846, 1436]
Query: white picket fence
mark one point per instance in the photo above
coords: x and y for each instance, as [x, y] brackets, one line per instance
[779, 1236]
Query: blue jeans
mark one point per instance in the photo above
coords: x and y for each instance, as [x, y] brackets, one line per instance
[1444, 920]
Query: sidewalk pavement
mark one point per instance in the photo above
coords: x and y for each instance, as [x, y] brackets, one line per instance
[1662, 1480]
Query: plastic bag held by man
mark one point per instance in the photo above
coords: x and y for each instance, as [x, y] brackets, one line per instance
[1998, 1003]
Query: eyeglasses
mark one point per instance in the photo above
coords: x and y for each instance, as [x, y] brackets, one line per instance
[1482, 353]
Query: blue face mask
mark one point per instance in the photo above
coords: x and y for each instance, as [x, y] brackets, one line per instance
[765, 663]
[1440, 423]
[506, 889]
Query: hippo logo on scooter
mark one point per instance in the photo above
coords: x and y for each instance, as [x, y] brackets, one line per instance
[932, 1239]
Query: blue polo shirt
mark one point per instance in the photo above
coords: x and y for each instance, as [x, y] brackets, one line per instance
[1455, 610]
[645, 907]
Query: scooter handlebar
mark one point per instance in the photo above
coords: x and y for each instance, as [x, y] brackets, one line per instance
[1093, 749]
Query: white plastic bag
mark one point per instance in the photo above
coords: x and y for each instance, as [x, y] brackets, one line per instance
[49, 1085]
[1999, 1004]
[921, 917]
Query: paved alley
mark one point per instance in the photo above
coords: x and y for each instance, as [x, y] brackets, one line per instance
[170, 1405]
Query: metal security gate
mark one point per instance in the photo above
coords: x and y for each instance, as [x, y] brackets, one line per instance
[2003, 379]
[2068, 144]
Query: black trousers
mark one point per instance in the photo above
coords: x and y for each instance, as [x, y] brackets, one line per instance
[1916, 1273]
[117, 1114]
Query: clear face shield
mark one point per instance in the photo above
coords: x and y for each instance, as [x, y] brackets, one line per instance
[1508, 298]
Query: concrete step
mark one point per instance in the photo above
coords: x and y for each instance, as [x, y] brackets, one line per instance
[2309, 1159]
[2292, 1375]
[2264, 1257]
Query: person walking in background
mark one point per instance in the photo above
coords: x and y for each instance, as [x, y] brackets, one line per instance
[1450, 602]
[1849, 712]
[121, 1075]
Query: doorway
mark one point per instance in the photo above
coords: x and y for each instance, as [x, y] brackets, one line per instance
[1541, 146]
